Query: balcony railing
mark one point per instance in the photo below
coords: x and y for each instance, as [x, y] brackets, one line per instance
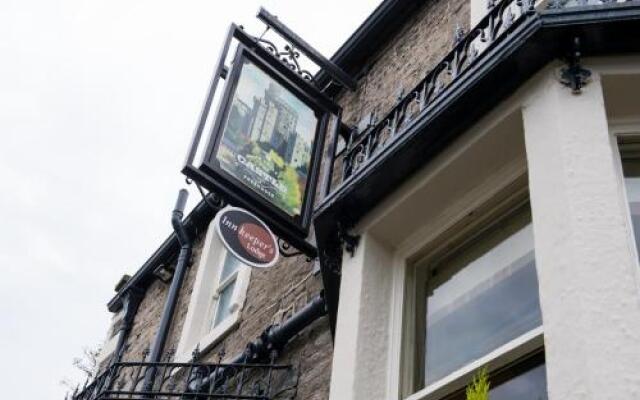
[503, 16]
[126, 380]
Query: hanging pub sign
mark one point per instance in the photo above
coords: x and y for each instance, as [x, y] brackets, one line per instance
[266, 139]
[248, 238]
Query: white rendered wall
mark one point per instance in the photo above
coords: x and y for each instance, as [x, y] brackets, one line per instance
[587, 270]
[589, 276]
[363, 323]
[477, 10]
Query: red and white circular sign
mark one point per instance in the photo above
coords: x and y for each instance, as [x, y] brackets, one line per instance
[247, 237]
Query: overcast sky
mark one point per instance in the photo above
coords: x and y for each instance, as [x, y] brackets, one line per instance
[98, 100]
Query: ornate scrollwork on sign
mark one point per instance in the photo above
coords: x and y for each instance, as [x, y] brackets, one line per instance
[289, 57]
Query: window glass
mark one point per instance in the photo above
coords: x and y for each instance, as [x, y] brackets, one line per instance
[230, 265]
[226, 286]
[481, 297]
[223, 309]
[631, 168]
[524, 380]
[530, 385]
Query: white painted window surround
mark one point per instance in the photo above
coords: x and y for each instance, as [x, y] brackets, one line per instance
[201, 329]
[561, 147]
[629, 145]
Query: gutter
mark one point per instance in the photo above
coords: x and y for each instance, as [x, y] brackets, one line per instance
[184, 258]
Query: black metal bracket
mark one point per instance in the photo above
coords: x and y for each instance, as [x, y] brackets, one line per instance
[574, 75]
[296, 41]
[288, 251]
[348, 241]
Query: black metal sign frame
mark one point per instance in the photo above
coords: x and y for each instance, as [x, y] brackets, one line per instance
[211, 164]
[293, 230]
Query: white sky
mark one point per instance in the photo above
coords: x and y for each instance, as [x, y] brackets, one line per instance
[98, 100]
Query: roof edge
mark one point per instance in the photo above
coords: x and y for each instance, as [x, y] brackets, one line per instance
[195, 223]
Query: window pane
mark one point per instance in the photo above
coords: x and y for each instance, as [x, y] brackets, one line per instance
[631, 169]
[224, 303]
[525, 380]
[231, 264]
[530, 385]
[481, 298]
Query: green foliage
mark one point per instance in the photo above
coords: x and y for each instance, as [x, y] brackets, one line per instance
[293, 196]
[478, 389]
[276, 159]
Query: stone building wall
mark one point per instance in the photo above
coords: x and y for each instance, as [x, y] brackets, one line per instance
[278, 292]
[423, 41]
[145, 323]
[273, 296]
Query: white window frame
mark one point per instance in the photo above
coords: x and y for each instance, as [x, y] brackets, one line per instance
[372, 314]
[509, 353]
[619, 129]
[223, 283]
[198, 330]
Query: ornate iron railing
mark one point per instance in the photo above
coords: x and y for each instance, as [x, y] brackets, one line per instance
[125, 380]
[501, 19]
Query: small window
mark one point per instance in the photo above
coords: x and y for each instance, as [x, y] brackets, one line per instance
[477, 302]
[226, 287]
[219, 292]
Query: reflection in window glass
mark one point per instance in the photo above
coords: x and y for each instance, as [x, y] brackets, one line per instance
[231, 265]
[524, 380]
[530, 385]
[224, 303]
[481, 297]
[226, 286]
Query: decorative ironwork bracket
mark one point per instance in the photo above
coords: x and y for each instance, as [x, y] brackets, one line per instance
[574, 75]
[348, 241]
[297, 43]
[288, 251]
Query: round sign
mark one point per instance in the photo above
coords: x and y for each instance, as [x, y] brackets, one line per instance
[247, 237]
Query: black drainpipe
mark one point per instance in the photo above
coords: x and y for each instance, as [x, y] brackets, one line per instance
[176, 283]
[130, 302]
[272, 339]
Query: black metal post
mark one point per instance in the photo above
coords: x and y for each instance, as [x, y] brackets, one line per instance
[329, 160]
[220, 72]
[130, 303]
[176, 283]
